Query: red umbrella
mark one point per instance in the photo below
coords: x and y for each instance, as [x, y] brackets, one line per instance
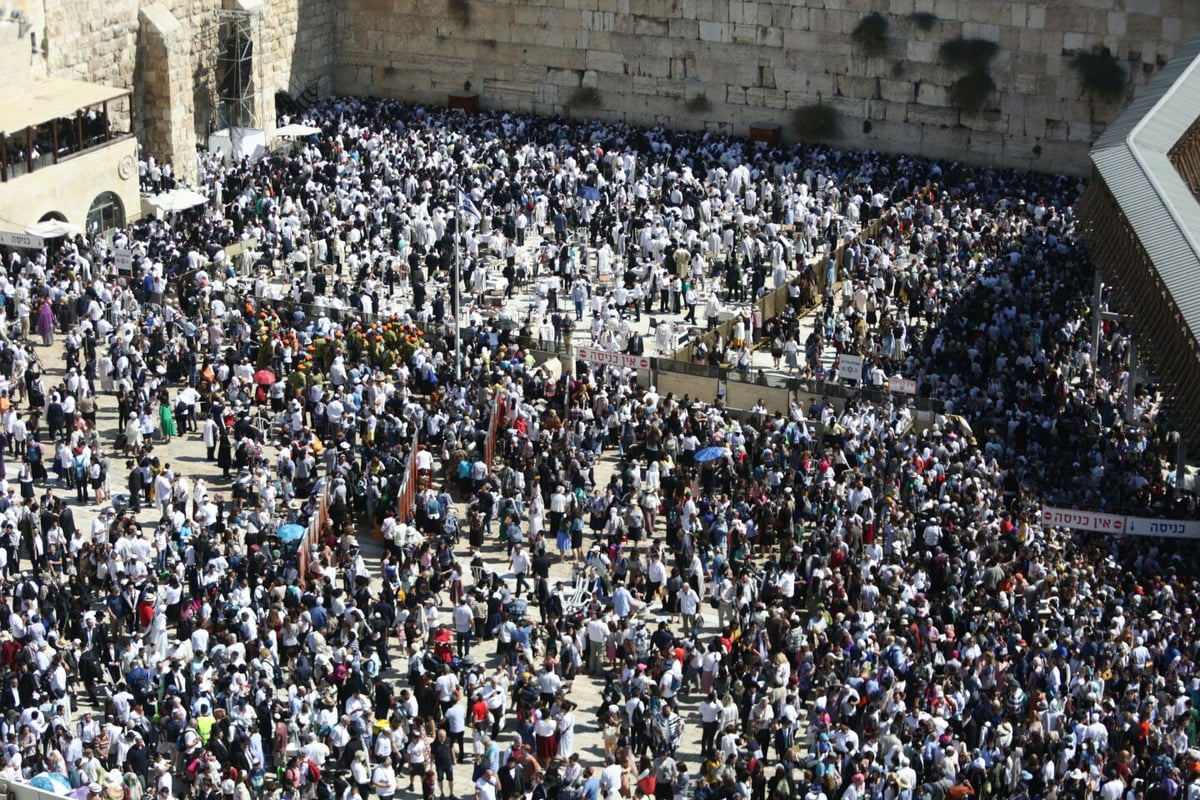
[264, 377]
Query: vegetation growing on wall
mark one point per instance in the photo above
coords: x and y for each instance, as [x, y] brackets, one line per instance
[816, 122]
[924, 20]
[460, 10]
[583, 98]
[972, 54]
[871, 34]
[698, 104]
[970, 93]
[1101, 76]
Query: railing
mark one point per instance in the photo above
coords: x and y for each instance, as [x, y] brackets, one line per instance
[19, 167]
[407, 493]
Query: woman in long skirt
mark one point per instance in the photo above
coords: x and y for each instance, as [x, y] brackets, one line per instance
[545, 736]
[166, 420]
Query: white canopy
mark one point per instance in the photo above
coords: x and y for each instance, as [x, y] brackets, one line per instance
[177, 200]
[53, 228]
[296, 130]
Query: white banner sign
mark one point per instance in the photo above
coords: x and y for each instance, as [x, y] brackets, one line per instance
[902, 385]
[1170, 528]
[850, 367]
[1083, 520]
[20, 240]
[607, 358]
[1119, 523]
[123, 259]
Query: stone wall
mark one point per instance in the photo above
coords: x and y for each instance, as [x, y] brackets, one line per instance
[175, 100]
[723, 64]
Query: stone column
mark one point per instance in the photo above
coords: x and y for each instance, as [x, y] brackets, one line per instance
[168, 115]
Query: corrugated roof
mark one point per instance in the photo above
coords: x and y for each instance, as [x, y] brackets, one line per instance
[49, 99]
[1132, 158]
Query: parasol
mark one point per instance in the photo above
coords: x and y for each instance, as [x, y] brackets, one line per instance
[291, 532]
[54, 782]
[709, 454]
[264, 377]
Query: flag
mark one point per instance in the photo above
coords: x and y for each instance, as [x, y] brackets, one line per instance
[467, 206]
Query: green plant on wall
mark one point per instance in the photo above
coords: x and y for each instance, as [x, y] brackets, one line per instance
[924, 20]
[584, 97]
[871, 34]
[972, 54]
[970, 93]
[460, 10]
[816, 122]
[1101, 76]
[698, 104]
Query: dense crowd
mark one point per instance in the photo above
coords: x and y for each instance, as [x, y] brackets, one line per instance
[816, 602]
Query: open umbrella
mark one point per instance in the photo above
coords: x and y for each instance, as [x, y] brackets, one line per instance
[264, 377]
[290, 532]
[54, 782]
[709, 454]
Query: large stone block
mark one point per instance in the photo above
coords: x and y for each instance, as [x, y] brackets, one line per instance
[766, 98]
[604, 61]
[715, 32]
[744, 34]
[929, 94]
[1172, 29]
[917, 114]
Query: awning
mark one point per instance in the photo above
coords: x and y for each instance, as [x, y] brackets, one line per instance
[50, 99]
[295, 130]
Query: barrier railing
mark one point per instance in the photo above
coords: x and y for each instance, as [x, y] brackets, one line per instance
[489, 447]
[407, 493]
[776, 302]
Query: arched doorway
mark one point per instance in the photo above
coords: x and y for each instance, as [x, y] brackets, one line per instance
[53, 215]
[107, 212]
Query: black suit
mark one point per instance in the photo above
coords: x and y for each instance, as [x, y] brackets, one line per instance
[27, 684]
[10, 699]
[95, 640]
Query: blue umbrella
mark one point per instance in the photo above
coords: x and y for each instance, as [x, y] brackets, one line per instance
[53, 782]
[709, 454]
[291, 532]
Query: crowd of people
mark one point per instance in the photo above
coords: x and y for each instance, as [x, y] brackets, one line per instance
[819, 602]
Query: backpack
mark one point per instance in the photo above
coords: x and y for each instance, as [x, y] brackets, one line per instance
[314, 772]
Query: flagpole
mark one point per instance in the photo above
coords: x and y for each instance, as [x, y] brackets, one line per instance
[457, 306]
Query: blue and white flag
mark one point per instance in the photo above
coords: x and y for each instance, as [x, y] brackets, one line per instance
[467, 206]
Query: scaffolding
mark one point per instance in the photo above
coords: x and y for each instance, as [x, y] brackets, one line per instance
[235, 71]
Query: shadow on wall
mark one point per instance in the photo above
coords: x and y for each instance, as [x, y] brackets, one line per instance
[310, 52]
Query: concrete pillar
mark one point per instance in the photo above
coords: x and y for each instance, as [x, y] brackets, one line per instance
[168, 112]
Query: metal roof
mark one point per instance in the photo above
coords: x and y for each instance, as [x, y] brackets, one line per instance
[1132, 158]
[51, 98]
